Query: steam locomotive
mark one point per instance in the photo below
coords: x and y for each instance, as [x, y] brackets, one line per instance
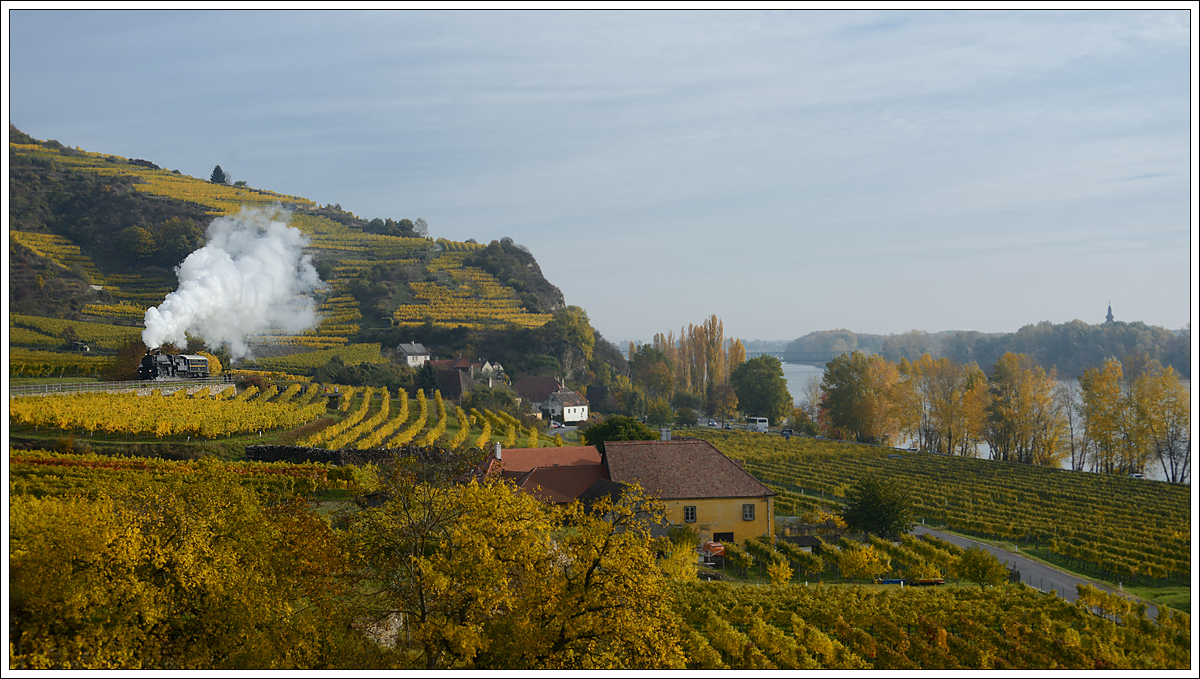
[158, 366]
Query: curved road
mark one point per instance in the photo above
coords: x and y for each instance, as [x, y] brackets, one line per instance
[1033, 573]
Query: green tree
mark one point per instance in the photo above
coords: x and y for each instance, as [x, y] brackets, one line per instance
[218, 176]
[844, 389]
[762, 389]
[427, 378]
[878, 506]
[569, 336]
[658, 411]
[180, 237]
[685, 417]
[138, 241]
[617, 428]
[979, 566]
[723, 402]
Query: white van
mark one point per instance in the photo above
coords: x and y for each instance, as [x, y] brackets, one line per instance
[756, 424]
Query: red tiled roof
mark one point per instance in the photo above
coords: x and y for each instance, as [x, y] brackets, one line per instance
[680, 469]
[560, 484]
[520, 460]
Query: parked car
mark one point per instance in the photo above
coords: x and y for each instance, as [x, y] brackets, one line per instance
[788, 432]
[555, 425]
[712, 423]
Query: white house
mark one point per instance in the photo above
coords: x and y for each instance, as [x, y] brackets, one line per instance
[415, 354]
[567, 405]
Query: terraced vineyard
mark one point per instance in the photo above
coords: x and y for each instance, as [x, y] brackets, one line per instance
[438, 289]
[59, 250]
[1116, 527]
[464, 296]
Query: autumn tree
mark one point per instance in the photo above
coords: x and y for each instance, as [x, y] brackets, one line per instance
[1131, 416]
[1024, 422]
[650, 369]
[484, 576]
[176, 572]
[658, 411]
[861, 398]
[979, 566]
[810, 397]
[124, 366]
[861, 561]
[946, 404]
[1078, 446]
[1168, 423]
[724, 402]
[701, 359]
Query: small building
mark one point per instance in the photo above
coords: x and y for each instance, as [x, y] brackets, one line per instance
[453, 384]
[567, 406]
[535, 390]
[558, 475]
[698, 485]
[415, 354]
[479, 369]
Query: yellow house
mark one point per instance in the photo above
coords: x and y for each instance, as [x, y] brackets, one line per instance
[699, 485]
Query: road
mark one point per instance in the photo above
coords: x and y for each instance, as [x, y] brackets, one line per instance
[1033, 573]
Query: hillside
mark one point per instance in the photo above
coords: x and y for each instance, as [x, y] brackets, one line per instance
[95, 239]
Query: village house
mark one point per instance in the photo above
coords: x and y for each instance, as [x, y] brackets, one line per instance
[566, 406]
[415, 354]
[474, 369]
[535, 390]
[550, 397]
[558, 475]
[698, 485]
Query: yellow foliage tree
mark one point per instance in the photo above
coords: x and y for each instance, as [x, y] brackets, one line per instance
[863, 562]
[174, 572]
[214, 363]
[485, 576]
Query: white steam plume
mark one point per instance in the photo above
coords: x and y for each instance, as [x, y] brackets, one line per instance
[250, 275]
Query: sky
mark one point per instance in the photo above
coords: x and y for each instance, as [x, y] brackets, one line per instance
[789, 171]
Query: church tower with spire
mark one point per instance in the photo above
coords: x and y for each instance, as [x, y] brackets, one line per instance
[1109, 318]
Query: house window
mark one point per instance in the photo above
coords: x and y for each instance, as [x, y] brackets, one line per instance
[748, 512]
[689, 514]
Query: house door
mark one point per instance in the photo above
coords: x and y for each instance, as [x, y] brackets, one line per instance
[722, 537]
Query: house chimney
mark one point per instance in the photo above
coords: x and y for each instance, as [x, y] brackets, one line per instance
[497, 449]
[664, 434]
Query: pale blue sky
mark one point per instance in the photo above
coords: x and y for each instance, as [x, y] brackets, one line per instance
[789, 171]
